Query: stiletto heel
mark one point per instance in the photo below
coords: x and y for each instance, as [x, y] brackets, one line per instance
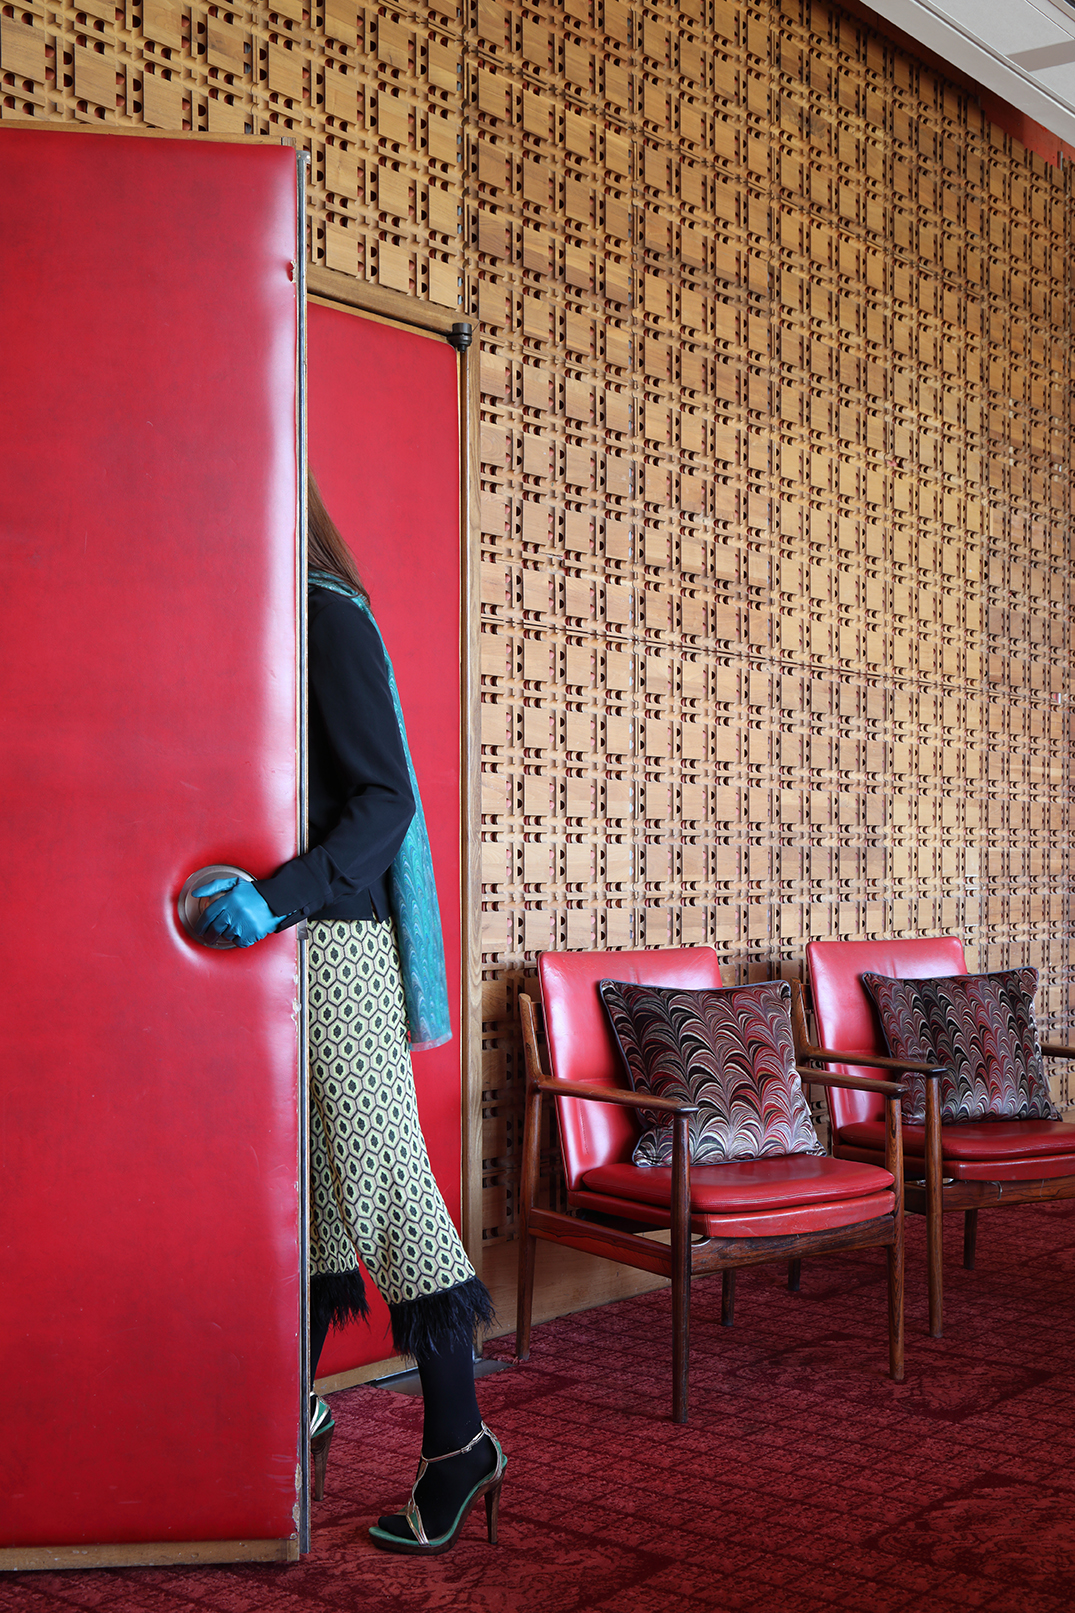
[322, 1428]
[489, 1487]
[492, 1511]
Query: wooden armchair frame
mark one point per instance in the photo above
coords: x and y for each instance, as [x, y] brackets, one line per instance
[935, 1195]
[690, 1252]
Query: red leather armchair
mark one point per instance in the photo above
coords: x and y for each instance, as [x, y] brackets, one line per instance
[720, 1217]
[964, 1167]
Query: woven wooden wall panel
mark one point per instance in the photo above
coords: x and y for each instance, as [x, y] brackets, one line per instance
[777, 507]
[775, 444]
[377, 100]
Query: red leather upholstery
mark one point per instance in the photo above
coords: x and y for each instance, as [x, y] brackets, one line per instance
[389, 472]
[990, 1151]
[149, 1263]
[719, 1216]
[795, 1221]
[1000, 1140]
[582, 1047]
[1014, 1165]
[774, 1183]
[751, 1198]
[598, 1139]
[845, 1015]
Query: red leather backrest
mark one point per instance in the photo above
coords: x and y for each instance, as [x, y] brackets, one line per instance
[389, 472]
[582, 1047]
[843, 1008]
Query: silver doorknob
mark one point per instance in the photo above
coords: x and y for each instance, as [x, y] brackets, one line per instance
[192, 907]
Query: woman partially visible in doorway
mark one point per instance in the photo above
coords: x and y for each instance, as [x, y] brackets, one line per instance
[377, 989]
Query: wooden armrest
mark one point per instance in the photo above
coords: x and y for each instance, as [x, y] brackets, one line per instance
[858, 1083]
[538, 1081]
[626, 1100]
[872, 1061]
[1054, 1050]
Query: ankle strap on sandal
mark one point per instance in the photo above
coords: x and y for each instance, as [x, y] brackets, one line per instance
[462, 1451]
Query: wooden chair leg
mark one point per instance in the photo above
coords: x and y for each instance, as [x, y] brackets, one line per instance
[895, 1252]
[528, 1190]
[681, 1343]
[895, 1310]
[934, 1213]
[970, 1238]
[935, 1269]
[681, 1266]
[727, 1297]
[525, 1306]
[795, 1271]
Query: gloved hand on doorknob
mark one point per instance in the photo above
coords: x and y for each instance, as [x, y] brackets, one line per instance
[241, 915]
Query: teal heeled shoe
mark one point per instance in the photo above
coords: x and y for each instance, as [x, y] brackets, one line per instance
[322, 1428]
[419, 1544]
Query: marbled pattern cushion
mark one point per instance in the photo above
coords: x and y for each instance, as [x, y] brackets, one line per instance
[730, 1051]
[981, 1027]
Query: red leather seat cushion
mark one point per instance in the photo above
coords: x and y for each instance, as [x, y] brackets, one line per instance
[1022, 1150]
[1001, 1140]
[745, 1185]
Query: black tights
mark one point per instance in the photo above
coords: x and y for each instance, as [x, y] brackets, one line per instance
[451, 1419]
[451, 1415]
[318, 1334]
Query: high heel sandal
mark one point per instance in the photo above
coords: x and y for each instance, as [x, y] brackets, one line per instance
[489, 1487]
[322, 1428]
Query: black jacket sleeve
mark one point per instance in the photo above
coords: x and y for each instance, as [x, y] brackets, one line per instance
[361, 802]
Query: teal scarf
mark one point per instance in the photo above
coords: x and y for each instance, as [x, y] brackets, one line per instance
[412, 889]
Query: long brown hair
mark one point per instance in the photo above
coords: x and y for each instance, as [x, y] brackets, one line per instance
[325, 548]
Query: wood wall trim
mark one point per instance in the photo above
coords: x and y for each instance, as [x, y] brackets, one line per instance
[149, 1554]
[35, 126]
[470, 770]
[367, 1373]
[373, 299]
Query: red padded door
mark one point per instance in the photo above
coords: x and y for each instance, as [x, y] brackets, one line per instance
[149, 1251]
[384, 446]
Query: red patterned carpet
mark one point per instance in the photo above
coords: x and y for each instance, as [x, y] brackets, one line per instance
[805, 1480]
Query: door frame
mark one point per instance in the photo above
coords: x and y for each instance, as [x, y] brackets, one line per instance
[333, 289]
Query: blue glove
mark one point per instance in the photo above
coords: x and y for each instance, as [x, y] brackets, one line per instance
[242, 915]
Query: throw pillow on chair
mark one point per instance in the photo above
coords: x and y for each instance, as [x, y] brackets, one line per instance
[731, 1051]
[982, 1028]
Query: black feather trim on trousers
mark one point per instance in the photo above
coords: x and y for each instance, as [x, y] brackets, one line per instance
[336, 1298]
[436, 1323]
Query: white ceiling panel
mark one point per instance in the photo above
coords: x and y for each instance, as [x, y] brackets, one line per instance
[1022, 50]
[1007, 29]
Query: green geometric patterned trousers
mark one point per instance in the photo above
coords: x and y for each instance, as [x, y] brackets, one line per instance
[372, 1192]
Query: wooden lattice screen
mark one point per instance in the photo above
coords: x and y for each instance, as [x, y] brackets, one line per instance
[776, 434]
